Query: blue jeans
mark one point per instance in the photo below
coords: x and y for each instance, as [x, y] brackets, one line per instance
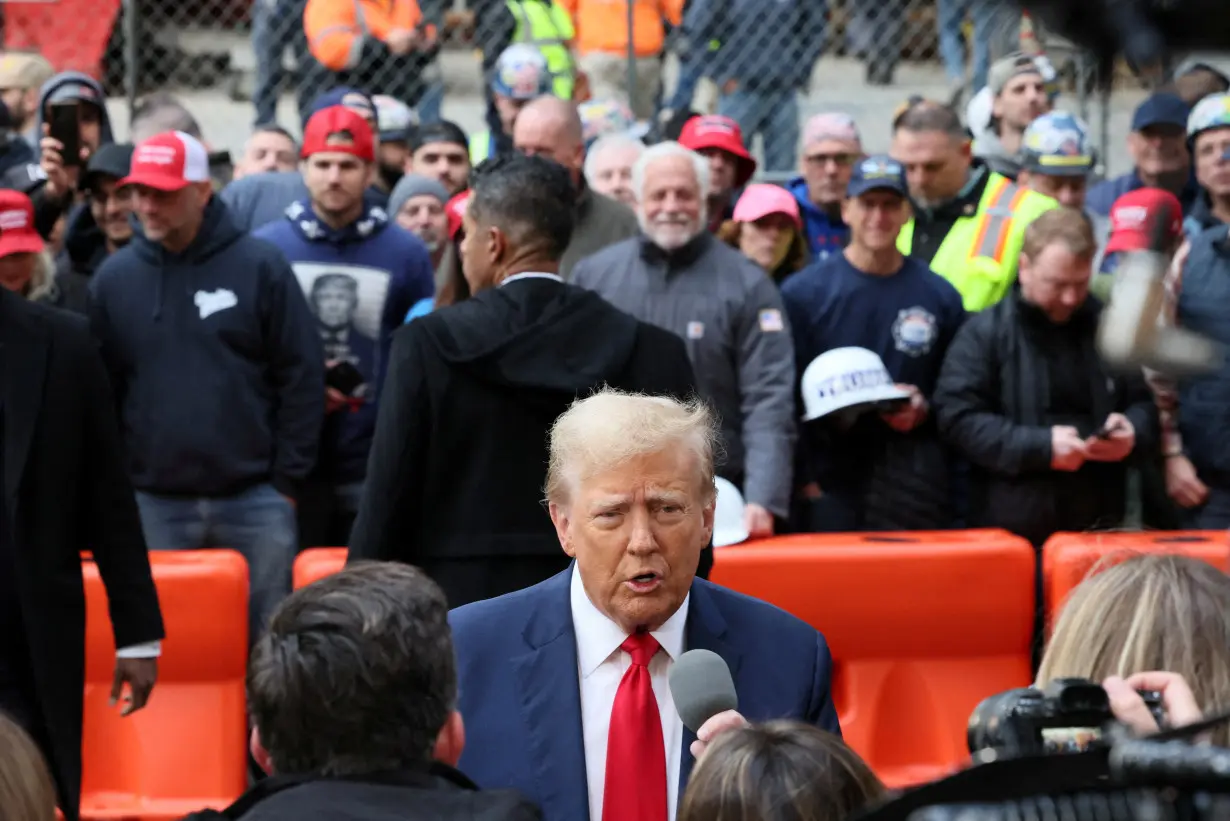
[431, 102]
[259, 523]
[772, 113]
[276, 25]
[991, 30]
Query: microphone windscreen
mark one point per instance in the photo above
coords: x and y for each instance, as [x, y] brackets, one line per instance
[701, 687]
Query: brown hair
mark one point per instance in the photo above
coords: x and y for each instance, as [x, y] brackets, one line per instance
[797, 256]
[1070, 226]
[779, 771]
[26, 789]
[919, 115]
[1148, 612]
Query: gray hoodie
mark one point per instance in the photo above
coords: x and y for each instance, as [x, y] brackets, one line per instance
[66, 78]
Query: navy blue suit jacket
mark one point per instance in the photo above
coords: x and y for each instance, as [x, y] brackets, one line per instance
[521, 701]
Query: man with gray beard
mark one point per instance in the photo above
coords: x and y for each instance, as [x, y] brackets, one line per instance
[679, 277]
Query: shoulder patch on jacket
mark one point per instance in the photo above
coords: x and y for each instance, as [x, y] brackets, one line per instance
[771, 320]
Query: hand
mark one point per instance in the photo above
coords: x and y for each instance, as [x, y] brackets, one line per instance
[758, 521]
[61, 180]
[1182, 483]
[1117, 446]
[811, 491]
[911, 415]
[335, 400]
[401, 41]
[1067, 448]
[720, 723]
[140, 674]
[1127, 705]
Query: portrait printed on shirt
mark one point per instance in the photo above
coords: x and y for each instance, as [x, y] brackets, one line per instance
[348, 303]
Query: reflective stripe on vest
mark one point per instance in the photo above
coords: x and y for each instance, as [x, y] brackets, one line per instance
[536, 26]
[979, 254]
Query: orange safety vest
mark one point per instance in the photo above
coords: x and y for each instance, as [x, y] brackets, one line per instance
[336, 29]
[602, 25]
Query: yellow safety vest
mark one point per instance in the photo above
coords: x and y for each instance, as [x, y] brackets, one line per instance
[979, 255]
[480, 147]
[547, 28]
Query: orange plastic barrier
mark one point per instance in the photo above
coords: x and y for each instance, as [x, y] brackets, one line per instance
[922, 627]
[71, 34]
[316, 563]
[1067, 558]
[186, 750]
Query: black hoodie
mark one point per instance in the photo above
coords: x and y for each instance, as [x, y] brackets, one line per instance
[460, 453]
[215, 359]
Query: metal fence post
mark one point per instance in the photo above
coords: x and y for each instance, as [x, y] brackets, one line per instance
[631, 52]
[131, 64]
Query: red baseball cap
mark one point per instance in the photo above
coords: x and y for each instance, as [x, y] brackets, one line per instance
[1134, 214]
[168, 162]
[713, 131]
[17, 232]
[337, 120]
[456, 211]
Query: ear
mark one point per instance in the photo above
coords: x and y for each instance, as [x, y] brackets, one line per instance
[497, 243]
[967, 149]
[707, 514]
[846, 205]
[1022, 179]
[997, 107]
[562, 519]
[259, 754]
[451, 741]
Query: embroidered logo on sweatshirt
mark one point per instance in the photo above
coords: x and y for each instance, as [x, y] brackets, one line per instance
[210, 302]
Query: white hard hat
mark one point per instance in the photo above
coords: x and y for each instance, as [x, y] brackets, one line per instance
[978, 112]
[845, 378]
[728, 522]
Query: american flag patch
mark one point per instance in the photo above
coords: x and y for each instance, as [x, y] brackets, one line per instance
[771, 320]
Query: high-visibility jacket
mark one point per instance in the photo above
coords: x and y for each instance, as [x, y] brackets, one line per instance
[602, 25]
[547, 27]
[979, 254]
[482, 146]
[338, 29]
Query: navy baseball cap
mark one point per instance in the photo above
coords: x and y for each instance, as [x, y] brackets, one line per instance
[877, 173]
[1161, 109]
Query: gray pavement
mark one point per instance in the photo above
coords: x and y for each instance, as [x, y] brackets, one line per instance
[836, 85]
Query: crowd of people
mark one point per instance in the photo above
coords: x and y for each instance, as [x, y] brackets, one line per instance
[386, 333]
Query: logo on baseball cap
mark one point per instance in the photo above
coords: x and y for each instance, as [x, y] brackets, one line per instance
[1134, 215]
[878, 173]
[169, 161]
[17, 232]
[339, 129]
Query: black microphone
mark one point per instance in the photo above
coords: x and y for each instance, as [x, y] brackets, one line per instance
[701, 686]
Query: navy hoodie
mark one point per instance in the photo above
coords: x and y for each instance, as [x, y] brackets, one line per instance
[215, 359]
[360, 281]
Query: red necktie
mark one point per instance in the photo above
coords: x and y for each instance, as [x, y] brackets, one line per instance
[635, 752]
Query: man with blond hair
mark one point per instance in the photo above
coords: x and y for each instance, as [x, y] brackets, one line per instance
[570, 676]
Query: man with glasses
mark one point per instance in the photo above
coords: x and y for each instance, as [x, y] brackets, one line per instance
[95, 229]
[831, 145]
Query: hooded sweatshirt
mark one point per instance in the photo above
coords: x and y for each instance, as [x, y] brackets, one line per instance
[215, 359]
[46, 211]
[825, 235]
[85, 248]
[388, 270]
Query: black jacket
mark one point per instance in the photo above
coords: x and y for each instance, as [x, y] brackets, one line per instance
[991, 404]
[444, 793]
[85, 248]
[459, 458]
[67, 491]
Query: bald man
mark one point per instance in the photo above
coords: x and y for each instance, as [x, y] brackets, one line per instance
[550, 127]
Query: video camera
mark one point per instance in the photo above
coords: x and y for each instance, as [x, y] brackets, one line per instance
[1058, 753]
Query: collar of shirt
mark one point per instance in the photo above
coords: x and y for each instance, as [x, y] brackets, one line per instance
[965, 203]
[531, 275]
[680, 257]
[598, 638]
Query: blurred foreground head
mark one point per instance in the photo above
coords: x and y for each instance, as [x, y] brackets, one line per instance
[356, 675]
[779, 771]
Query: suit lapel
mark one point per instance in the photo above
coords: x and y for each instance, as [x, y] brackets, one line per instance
[706, 630]
[550, 697]
[24, 346]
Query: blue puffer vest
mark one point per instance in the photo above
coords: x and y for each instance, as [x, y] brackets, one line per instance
[1204, 307]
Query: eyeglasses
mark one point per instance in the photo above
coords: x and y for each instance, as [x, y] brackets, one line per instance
[840, 160]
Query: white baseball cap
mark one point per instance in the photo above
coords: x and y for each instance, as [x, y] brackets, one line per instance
[728, 523]
[846, 378]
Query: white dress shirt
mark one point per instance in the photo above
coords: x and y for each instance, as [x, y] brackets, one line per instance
[600, 667]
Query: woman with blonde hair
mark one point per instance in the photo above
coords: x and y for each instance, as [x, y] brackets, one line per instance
[26, 790]
[767, 229]
[1152, 612]
[778, 771]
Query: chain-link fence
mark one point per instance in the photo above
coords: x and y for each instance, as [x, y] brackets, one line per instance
[768, 63]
